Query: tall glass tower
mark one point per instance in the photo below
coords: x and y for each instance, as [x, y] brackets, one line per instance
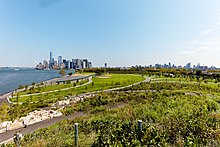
[51, 60]
[59, 61]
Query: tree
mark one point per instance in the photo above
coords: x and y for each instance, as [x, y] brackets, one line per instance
[21, 87]
[198, 73]
[26, 87]
[70, 73]
[17, 96]
[62, 72]
[4, 111]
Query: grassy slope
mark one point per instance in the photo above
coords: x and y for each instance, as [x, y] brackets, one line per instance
[169, 119]
[113, 80]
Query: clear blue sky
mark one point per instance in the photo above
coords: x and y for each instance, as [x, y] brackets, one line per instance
[119, 32]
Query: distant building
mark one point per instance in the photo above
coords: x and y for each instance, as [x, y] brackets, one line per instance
[40, 66]
[51, 60]
[188, 65]
[85, 63]
[105, 65]
[169, 65]
[68, 64]
[63, 63]
[78, 64]
[62, 66]
[60, 61]
[45, 64]
[90, 65]
[74, 63]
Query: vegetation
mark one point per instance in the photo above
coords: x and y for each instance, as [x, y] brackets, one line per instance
[173, 114]
[99, 83]
[35, 102]
[62, 72]
[177, 108]
[43, 88]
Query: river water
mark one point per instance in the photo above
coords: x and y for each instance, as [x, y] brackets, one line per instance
[10, 79]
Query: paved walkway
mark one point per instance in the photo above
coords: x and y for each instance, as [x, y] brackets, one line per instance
[31, 128]
[4, 98]
[90, 81]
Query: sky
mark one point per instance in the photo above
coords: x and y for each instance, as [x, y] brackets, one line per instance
[116, 32]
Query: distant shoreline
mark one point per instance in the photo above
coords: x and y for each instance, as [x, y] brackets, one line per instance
[11, 79]
[2, 95]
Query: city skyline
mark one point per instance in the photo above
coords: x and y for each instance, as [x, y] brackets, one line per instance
[63, 63]
[120, 33]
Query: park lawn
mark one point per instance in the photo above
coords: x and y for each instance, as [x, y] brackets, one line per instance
[113, 81]
[53, 87]
[169, 79]
[166, 79]
[164, 119]
[103, 82]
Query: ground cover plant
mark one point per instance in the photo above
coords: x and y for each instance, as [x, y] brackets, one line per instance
[170, 118]
[45, 88]
[35, 102]
[99, 83]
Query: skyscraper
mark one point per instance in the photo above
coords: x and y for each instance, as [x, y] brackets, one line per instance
[85, 63]
[59, 61]
[45, 64]
[188, 65]
[51, 60]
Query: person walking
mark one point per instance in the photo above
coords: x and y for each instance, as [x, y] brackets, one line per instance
[7, 126]
[24, 123]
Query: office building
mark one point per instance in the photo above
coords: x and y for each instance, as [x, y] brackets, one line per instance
[45, 64]
[60, 61]
[51, 60]
[188, 65]
[63, 63]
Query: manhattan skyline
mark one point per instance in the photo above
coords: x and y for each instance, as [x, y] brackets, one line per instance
[117, 32]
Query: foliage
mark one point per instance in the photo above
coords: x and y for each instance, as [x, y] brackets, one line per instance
[170, 118]
[62, 72]
[175, 111]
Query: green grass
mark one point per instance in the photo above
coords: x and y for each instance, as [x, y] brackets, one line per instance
[52, 87]
[107, 81]
[179, 79]
[173, 114]
[169, 119]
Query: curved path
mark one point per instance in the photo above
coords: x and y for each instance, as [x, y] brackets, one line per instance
[90, 81]
[8, 136]
[5, 98]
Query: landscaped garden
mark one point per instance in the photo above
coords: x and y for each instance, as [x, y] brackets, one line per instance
[173, 114]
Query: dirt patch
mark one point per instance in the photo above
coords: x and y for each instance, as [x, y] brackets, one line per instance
[104, 77]
[118, 105]
[74, 75]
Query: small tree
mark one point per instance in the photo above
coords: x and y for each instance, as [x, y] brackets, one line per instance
[62, 72]
[4, 112]
[17, 96]
[70, 73]
[26, 87]
[21, 86]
